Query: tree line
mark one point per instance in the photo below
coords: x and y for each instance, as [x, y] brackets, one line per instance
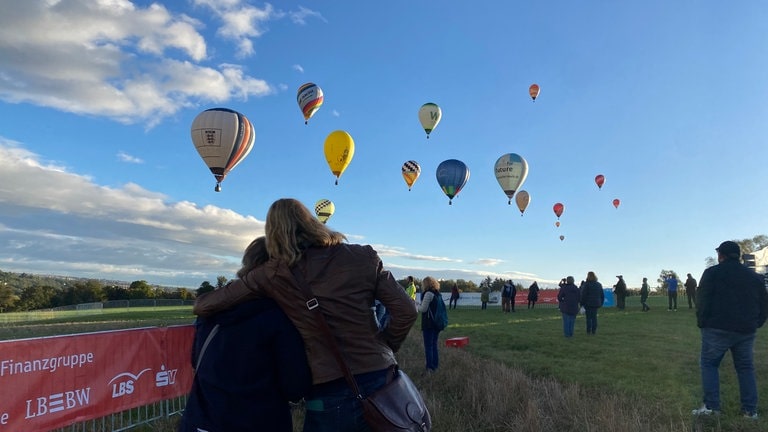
[23, 292]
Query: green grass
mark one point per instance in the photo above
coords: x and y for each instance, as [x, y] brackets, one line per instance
[639, 373]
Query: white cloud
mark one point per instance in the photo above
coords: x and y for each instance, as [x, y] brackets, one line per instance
[70, 225]
[490, 262]
[335, 113]
[300, 16]
[115, 59]
[125, 157]
[298, 68]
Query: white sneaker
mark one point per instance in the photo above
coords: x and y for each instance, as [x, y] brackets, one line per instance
[703, 410]
[752, 416]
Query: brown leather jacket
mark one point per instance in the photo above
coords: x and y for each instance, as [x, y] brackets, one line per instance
[346, 279]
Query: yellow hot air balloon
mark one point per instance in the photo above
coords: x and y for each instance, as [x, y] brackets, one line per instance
[339, 149]
[411, 171]
[522, 198]
[324, 209]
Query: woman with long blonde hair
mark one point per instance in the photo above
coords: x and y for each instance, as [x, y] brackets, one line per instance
[345, 279]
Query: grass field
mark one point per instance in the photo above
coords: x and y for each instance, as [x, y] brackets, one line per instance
[518, 373]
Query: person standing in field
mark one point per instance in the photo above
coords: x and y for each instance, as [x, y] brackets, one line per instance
[249, 363]
[644, 291]
[690, 291]
[671, 282]
[454, 296]
[733, 304]
[411, 288]
[568, 301]
[345, 280]
[620, 289]
[485, 294]
[430, 332]
[533, 295]
[591, 298]
[507, 295]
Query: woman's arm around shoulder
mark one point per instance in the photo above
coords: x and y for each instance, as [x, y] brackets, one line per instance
[232, 294]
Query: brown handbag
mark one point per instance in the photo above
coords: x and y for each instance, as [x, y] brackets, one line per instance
[395, 407]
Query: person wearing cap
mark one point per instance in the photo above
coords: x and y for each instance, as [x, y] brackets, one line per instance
[732, 305]
[620, 289]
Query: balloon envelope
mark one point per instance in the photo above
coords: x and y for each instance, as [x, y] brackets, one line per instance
[339, 149]
[522, 199]
[510, 170]
[616, 203]
[429, 116]
[533, 91]
[562, 237]
[599, 180]
[411, 171]
[310, 98]
[557, 224]
[324, 209]
[558, 209]
[223, 138]
[452, 175]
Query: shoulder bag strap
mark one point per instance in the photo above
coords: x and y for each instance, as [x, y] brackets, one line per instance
[205, 346]
[313, 305]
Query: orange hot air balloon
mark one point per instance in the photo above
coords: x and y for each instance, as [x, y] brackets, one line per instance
[533, 90]
[599, 180]
[562, 237]
[557, 224]
[558, 209]
[616, 202]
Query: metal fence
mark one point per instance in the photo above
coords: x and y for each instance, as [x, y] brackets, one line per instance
[130, 419]
[88, 309]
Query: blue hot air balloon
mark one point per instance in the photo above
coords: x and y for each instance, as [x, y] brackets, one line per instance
[452, 175]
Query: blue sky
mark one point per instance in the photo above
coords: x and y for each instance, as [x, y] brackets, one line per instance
[99, 177]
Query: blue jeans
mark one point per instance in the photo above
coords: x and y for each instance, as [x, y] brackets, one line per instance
[591, 313]
[331, 407]
[569, 321]
[714, 344]
[430, 348]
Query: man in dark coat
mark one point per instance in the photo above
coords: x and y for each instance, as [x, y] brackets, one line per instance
[620, 289]
[690, 291]
[732, 305]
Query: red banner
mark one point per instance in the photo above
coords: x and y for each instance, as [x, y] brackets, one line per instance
[53, 382]
[545, 296]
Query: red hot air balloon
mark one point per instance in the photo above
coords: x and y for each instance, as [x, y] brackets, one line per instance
[533, 91]
[558, 209]
[616, 202]
[599, 180]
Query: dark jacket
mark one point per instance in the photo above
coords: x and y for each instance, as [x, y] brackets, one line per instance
[252, 367]
[345, 279]
[429, 307]
[690, 286]
[620, 288]
[568, 299]
[731, 297]
[533, 292]
[592, 295]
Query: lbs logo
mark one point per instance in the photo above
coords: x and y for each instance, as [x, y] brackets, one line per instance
[123, 384]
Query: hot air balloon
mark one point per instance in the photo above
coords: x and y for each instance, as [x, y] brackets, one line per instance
[339, 149]
[533, 90]
[558, 209]
[599, 180]
[616, 202]
[324, 209]
[557, 224]
[522, 199]
[411, 171]
[511, 170]
[452, 175]
[429, 116]
[310, 98]
[562, 237]
[223, 138]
